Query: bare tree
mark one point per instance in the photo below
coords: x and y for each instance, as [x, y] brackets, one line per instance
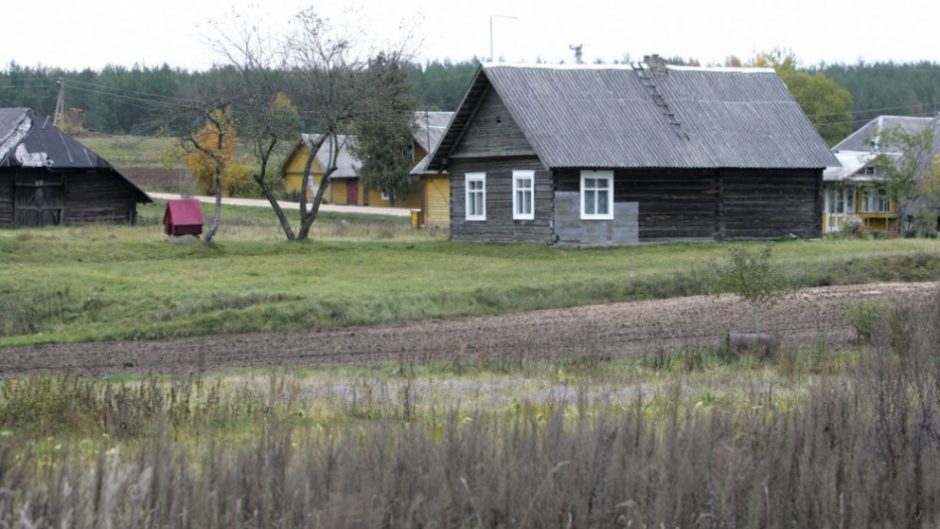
[317, 69]
[267, 116]
[325, 78]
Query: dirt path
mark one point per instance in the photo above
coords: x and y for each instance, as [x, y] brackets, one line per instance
[263, 203]
[611, 330]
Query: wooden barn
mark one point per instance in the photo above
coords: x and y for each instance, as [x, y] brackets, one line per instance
[48, 178]
[601, 154]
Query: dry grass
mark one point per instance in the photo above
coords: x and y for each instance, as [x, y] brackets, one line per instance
[827, 440]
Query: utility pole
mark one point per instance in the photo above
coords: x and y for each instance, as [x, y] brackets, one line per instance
[491, 31]
[576, 48]
[58, 118]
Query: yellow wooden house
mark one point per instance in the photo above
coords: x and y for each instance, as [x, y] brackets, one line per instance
[431, 195]
[344, 187]
[855, 192]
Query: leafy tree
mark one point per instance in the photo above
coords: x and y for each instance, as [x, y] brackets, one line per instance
[752, 276]
[218, 143]
[384, 131]
[827, 104]
[913, 174]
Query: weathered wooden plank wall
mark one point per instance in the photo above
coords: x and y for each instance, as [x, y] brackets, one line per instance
[499, 224]
[765, 204]
[6, 198]
[673, 204]
[493, 133]
[98, 197]
[89, 196]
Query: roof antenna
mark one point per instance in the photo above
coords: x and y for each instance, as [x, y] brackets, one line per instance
[58, 117]
[576, 48]
[427, 127]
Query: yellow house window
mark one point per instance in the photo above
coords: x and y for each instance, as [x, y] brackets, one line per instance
[876, 201]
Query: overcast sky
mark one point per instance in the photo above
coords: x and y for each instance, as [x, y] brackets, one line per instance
[92, 33]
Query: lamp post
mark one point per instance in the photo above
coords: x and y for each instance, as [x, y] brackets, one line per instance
[492, 17]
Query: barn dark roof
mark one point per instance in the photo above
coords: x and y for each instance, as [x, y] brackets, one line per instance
[607, 117]
[30, 140]
[865, 138]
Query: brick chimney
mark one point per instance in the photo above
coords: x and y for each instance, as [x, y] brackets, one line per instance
[655, 62]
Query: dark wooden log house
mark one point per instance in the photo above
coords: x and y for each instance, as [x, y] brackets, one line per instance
[618, 154]
[48, 178]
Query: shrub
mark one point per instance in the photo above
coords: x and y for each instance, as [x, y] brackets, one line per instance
[752, 276]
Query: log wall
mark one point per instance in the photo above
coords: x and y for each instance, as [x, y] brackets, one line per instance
[673, 204]
[92, 196]
[499, 224]
[6, 198]
[764, 204]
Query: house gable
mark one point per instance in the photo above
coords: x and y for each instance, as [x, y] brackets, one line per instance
[294, 163]
[492, 132]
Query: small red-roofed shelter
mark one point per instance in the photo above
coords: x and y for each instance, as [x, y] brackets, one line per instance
[183, 216]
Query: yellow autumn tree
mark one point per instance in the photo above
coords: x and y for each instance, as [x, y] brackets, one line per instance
[220, 138]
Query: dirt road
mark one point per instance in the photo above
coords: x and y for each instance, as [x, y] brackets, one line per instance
[611, 330]
[288, 206]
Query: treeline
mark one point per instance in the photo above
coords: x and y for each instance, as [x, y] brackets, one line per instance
[123, 100]
[888, 88]
[120, 100]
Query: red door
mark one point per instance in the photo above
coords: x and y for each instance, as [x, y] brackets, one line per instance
[352, 192]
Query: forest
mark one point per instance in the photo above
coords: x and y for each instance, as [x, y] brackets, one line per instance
[122, 100]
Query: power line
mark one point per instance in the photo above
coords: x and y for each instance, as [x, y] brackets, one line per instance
[129, 91]
[917, 115]
[864, 110]
[118, 95]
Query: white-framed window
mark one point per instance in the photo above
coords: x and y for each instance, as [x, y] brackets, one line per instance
[597, 195]
[840, 200]
[523, 195]
[875, 201]
[384, 195]
[475, 184]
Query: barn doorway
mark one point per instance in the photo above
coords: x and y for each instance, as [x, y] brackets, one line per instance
[352, 192]
[38, 203]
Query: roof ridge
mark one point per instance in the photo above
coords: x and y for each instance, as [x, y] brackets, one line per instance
[626, 66]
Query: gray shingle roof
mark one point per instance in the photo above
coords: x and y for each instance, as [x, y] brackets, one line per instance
[30, 140]
[863, 138]
[430, 128]
[347, 165]
[604, 117]
[430, 132]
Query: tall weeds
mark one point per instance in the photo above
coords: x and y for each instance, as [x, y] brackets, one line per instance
[860, 450]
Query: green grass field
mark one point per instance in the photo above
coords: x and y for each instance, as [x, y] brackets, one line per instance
[130, 151]
[104, 282]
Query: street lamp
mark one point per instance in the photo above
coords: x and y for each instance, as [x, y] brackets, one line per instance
[491, 30]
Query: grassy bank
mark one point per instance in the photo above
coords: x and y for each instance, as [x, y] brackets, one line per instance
[807, 438]
[100, 283]
[130, 151]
